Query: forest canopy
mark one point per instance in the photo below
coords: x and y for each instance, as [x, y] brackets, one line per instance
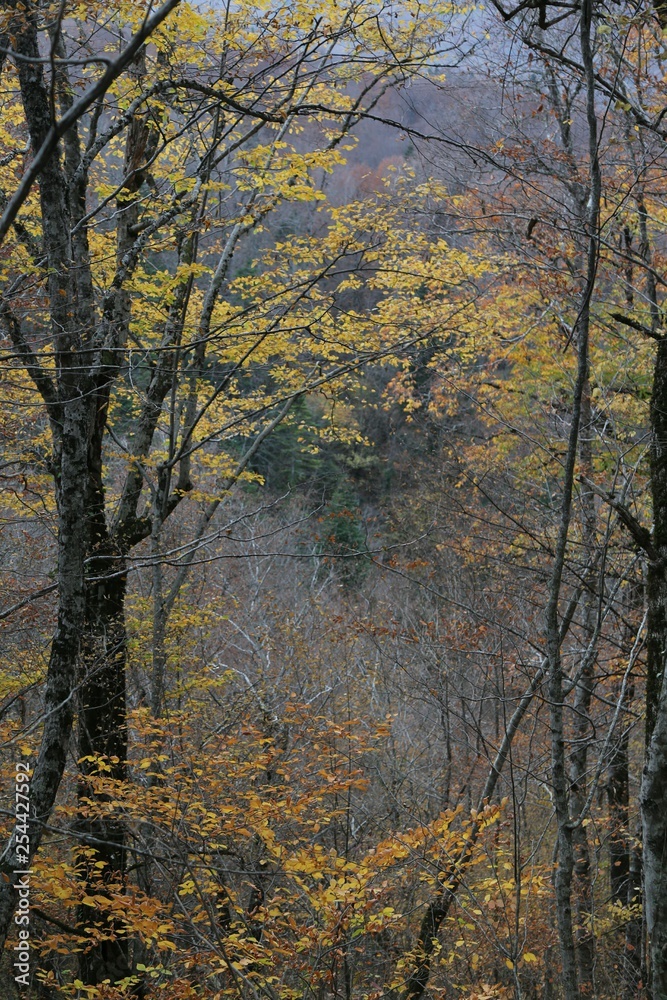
[333, 500]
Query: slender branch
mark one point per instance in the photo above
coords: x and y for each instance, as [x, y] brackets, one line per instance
[30, 361]
[79, 108]
[28, 600]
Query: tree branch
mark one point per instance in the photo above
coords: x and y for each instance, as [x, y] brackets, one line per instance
[640, 534]
[30, 361]
[634, 325]
[79, 108]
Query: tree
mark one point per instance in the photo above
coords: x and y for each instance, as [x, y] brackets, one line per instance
[209, 118]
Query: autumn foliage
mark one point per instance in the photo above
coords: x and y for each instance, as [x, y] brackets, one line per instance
[333, 499]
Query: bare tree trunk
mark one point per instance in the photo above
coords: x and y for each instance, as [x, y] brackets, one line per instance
[102, 722]
[633, 953]
[654, 783]
[582, 726]
[102, 699]
[64, 395]
[559, 776]
[654, 820]
[618, 795]
[103, 735]
[59, 701]
[624, 862]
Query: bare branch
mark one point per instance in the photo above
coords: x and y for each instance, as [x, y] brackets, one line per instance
[58, 129]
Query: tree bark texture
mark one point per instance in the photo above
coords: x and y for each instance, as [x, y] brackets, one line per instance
[86, 669]
[69, 413]
[654, 783]
[582, 723]
[566, 822]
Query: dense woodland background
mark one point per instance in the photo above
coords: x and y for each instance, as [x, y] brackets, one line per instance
[333, 498]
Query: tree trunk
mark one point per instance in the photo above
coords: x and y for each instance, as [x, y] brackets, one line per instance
[62, 670]
[103, 738]
[633, 952]
[618, 795]
[583, 726]
[102, 698]
[654, 783]
[654, 819]
[624, 863]
[561, 792]
[68, 406]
